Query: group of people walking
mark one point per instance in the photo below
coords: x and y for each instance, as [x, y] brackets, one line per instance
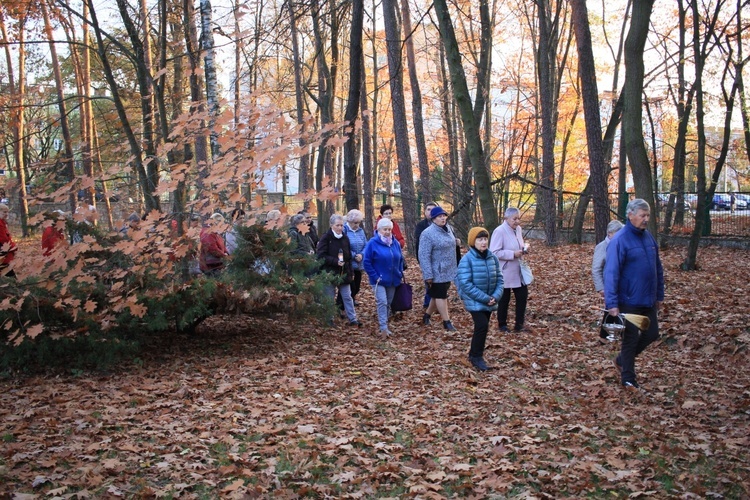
[486, 276]
[627, 272]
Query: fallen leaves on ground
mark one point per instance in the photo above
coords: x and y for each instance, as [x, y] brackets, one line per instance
[257, 406]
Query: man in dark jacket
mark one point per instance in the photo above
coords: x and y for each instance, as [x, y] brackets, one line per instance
[421, 226]
[634, 283]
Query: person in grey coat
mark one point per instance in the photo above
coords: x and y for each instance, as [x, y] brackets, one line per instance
[437, 258]
[597, 266]
[600, 255]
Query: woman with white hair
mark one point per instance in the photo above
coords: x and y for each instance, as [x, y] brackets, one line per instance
[335, 255]
[508, 246]
[357, 241]
[213, 250]
[600, 255]
[384, 263]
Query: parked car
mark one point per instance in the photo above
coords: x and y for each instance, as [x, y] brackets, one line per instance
[663, 199]
[721, 202]
[741, 201]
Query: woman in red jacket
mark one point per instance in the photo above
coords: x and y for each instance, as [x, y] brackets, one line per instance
[53, 235]
[213, 250]
[7, 247]
[386, 211]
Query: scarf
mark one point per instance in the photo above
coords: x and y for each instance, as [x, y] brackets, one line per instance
[388, 240]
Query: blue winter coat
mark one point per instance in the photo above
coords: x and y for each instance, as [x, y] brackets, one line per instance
[383, 262]
[479, 278]
[633, 274]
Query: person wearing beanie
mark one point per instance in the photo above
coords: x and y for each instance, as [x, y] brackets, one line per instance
[480, 286]
[437, 259]
[509, 247]
[421, 226]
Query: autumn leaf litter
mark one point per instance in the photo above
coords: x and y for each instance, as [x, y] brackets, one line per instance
[258, 406]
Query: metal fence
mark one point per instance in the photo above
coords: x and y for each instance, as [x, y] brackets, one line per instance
[729, 218]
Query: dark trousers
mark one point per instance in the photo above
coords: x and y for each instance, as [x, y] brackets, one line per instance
[354, 285]
[635, 341]
[522, 296]
[481, 325]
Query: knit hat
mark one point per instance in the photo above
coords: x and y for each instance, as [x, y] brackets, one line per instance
[477, 232]
[437, 211]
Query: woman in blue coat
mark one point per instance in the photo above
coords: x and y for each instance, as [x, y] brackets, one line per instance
[480, 286]
[384, 265]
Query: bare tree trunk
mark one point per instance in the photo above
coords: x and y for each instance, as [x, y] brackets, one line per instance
[683, 103]
[608, 144]
[324, 101]
[705, 190]
[352, 105]
[238, 60]
[82, 69]
[145, 183]
[304, 161]
[739, 67]
[590, 94]
[416, 105]
[375, 100]
[17, 122]
[447, 111]
[198, 103]
[400, 127]
[546, 69]
[632, 117]
[471, 128]
[64, 125]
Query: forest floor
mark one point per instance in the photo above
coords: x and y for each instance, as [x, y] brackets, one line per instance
[261, 407]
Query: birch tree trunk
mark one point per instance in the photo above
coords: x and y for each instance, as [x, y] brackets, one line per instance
[366, 156]
[212, 85]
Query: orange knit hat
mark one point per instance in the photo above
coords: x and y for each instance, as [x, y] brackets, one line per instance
[475, 232]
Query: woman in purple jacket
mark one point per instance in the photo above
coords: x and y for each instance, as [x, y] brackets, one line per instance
[508, 246]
